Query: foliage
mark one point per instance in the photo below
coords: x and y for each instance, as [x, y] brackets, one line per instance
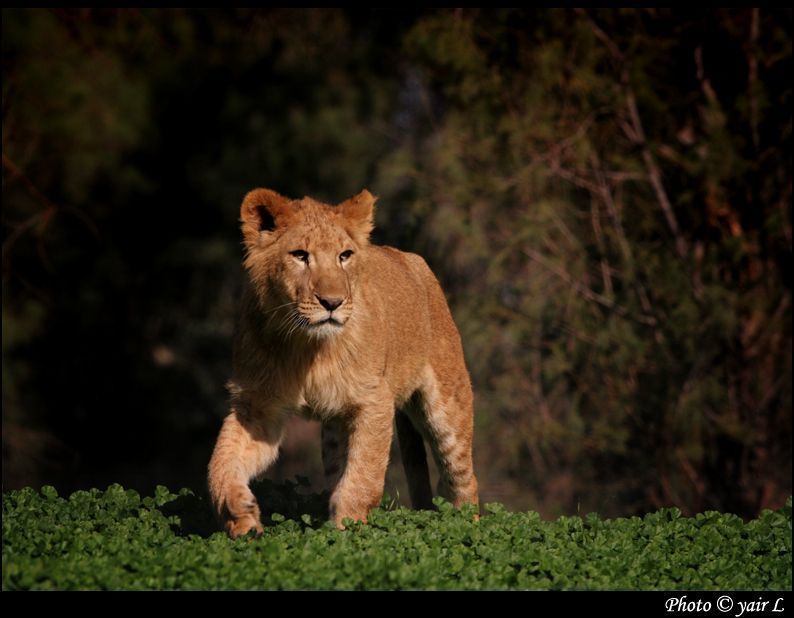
[596, 190]
[116, 540]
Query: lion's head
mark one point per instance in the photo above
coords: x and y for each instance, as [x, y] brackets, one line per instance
[304, 259]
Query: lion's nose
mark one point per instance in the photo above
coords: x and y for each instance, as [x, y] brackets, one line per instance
[330, 303]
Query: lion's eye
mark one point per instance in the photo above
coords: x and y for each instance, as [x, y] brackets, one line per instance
[301, 255]
[345, 255]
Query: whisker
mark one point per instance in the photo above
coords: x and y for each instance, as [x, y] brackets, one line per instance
[286, 322]
[272, 312]
[292, 302]
[290, 323]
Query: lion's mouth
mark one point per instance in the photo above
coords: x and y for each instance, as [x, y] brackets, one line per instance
[329, 321]
[325, 328]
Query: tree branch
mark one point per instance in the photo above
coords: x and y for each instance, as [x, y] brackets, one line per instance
[50, 207]
[654, 174]
[586, 292]
[752, 75]
[636, 134]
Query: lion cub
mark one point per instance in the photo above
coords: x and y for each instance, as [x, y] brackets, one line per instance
[346, 332]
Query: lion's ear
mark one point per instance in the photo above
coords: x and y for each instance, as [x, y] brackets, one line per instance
[358, 214]
[263, 210]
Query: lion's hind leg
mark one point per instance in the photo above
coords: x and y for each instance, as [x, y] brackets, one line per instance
[412, 450]
[334, 451]
[449, 413]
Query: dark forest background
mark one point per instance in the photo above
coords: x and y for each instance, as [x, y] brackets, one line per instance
[604, 194]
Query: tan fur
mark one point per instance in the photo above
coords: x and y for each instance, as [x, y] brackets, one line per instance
[393, 346]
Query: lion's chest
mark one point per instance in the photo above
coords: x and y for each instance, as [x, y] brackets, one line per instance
[328, 389]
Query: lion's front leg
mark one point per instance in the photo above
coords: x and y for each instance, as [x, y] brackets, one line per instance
[368, 443]
[246, 447]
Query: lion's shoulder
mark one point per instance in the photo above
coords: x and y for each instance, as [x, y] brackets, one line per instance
[411, 264]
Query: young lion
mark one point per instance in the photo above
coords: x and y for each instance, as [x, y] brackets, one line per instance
[346, 332]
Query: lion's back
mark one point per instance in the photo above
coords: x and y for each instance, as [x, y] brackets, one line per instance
[416, 317]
